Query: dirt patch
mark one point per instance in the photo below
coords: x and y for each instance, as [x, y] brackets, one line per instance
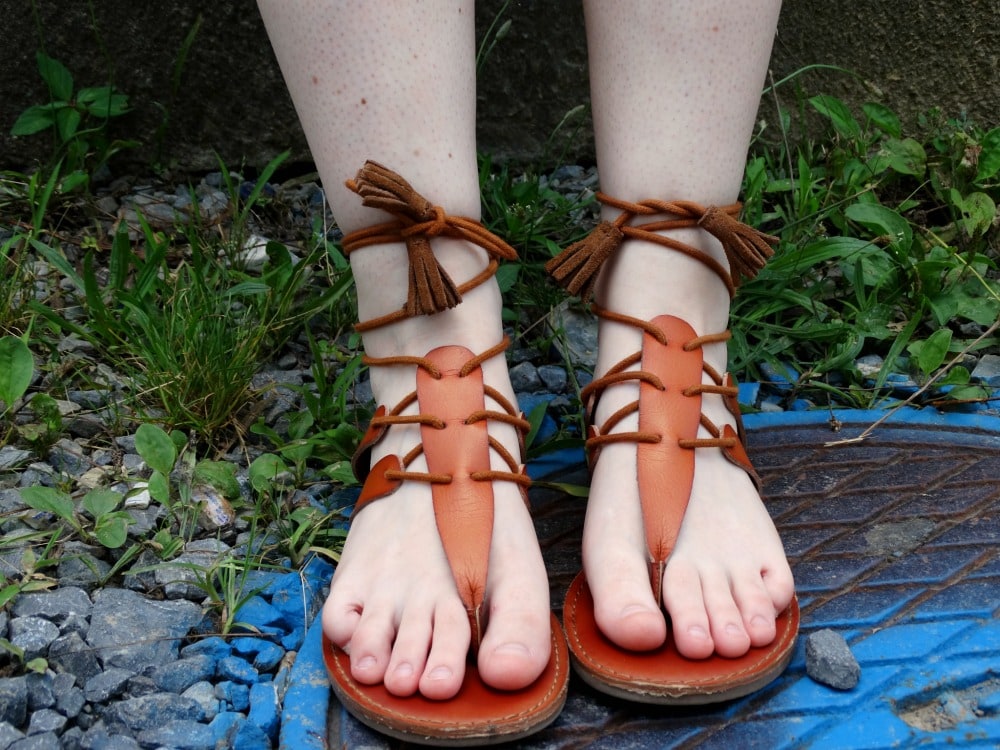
[898, 538]
[948, 708]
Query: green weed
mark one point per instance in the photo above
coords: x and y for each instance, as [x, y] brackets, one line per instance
[79, 121]
[888, 246]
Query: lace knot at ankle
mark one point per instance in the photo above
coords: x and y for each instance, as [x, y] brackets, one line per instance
[747, 249]
[415, 222]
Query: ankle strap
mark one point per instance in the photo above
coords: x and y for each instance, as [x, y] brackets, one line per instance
[416, 221]
[746, 248]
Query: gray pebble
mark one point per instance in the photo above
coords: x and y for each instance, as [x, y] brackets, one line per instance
[13, 700]
[33, 634]
[178, 734]
[9, 734]
[829, 660]
[109, 684]
[524, 378]
[554, 377]
[45, 720]
[56, 605]
[69, 653]
[40, 690]
[46, 741]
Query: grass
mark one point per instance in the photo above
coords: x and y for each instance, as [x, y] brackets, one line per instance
[888, 247]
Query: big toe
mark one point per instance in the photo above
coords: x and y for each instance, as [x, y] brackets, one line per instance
[515, 650]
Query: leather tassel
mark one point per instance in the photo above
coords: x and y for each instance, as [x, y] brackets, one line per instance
[576, 267]
[431, 288]
[380, 187]
[747, 249]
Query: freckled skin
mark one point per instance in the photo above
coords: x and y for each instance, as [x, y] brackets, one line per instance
[675, 88]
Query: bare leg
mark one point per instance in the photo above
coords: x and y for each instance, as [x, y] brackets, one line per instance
[395, 82]
[675, 90]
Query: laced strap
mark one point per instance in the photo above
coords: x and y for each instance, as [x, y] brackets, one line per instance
[620, 373]
[747, 249]
[507, 414]
[415, 222]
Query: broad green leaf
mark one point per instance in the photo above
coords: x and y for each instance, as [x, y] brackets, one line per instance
[99, 502]
[838, 114]
[931, 352]
[978, 212]
[883, 118]
[112, 531]
[16, 369]
[956, 375]
[54, 73]
[34, 120]
[883, 221]
[264, 469]
[969, 393]
[67, 123]
[159, 488]
[906, 156]
[49, 500]
[535, 419]
[507, 276]
[342, 473]
[156, 448]
[989, 157]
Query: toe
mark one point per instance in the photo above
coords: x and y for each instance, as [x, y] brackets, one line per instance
[624, 606]
[685, 602]
[371, 645]
[445, 667]
[341, 615]
[725, 620]
[409, 652]
[756, 608]
[516, 648]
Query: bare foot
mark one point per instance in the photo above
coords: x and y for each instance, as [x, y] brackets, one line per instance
[393, 604]
[727, 577]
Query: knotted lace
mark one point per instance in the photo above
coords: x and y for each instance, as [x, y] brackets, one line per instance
[416, 221]
[747, 249]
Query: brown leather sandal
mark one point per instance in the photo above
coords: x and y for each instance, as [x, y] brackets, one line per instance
[449, 403]
[669, 370]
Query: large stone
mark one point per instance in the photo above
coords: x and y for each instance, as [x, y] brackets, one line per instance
[151, 711]
[533, 77]
[132, 632]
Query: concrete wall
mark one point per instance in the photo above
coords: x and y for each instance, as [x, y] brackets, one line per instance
[232, 100]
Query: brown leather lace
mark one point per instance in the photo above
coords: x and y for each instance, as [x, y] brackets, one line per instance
[508, 416]
[747, 249]
[620, 373]
[416, 222]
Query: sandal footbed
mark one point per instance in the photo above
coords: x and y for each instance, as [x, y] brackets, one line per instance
[663, 675]
[477, 715]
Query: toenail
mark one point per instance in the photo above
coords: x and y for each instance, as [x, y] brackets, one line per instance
[734, 629]
[515, 649]
[697, 631]
[366, 662]
[404, 670]
[440, 673]
[633, 609]
[759, 621]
